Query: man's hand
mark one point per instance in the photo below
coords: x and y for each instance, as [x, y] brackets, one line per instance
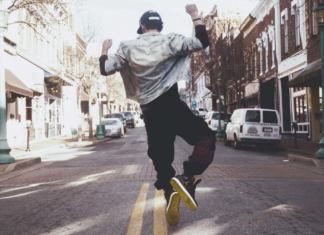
[105, 46]
[192, 10]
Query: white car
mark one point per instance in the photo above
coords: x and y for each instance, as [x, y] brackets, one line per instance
[202, 112]
[253, 126]
[113, 127]
[135, 116]
[211, 119]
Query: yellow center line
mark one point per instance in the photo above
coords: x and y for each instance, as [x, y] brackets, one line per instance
[160, 225]
[136, 221]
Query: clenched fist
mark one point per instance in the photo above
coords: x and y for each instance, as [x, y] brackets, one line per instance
[106, 45]
[191, 9]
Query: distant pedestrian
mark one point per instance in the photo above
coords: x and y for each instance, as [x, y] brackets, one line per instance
[151, 66]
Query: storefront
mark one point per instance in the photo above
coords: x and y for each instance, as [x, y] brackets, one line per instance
[307, 100]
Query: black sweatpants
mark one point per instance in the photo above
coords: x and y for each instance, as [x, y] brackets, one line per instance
[167, 117]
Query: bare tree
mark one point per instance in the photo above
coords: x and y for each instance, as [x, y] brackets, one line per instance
[88, 83]
[115, 88]
[46, 14]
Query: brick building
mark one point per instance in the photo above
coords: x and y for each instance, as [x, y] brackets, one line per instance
[306, 84]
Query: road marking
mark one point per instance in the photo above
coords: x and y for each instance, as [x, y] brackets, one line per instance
[160, 225]
[136, 221]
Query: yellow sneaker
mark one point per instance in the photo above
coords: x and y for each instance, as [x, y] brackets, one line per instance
[172, 211]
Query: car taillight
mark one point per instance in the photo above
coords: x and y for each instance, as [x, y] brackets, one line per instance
[279, 130]
[241, 129]
[209, 122]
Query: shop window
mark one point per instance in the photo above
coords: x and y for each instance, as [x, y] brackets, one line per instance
[300, 108]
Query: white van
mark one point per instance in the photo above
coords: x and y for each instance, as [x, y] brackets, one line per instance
[211, 119]
[253, 126]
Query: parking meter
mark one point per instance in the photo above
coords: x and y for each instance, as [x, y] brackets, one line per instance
[295, 127]
[28, 126]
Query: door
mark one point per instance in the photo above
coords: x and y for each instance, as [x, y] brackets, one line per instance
[286, 119]
[267, 92]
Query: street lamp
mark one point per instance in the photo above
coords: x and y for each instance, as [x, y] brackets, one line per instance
[5, 157]
[219, 129]
[319, 15]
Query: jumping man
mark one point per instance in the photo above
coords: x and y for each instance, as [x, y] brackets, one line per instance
[151, 66]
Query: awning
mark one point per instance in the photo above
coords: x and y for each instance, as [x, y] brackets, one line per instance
[15, 85]
[84, 96]
[310, 76]
[36, 93]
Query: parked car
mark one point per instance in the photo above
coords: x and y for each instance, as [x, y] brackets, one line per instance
[130, 120]
[136, 117]
[195, 112]
[202, 112]
[212, 120]
[253, 126]
[113, 127]
[120, 116]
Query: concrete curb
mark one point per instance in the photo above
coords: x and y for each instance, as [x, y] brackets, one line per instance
[22, 164]
[307, 160]
[297, 151]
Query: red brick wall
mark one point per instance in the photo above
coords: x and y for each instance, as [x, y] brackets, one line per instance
[313, 41]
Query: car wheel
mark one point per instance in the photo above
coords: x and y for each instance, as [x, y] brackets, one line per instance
[237, 144]
[226, 142]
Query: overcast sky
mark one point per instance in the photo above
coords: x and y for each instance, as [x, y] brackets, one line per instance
[119, 19]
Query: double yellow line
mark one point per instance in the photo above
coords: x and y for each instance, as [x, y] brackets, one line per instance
[136, 221]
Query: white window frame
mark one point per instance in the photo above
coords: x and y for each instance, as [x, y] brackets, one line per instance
[295, 11]
[284, 22]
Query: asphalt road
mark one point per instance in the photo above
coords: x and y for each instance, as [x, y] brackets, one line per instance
[108, 189]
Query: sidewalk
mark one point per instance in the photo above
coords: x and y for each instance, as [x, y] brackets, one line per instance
[304, 147]
[25, 159]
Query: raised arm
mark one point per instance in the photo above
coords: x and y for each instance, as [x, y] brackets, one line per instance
[112, 64]
[200, 29]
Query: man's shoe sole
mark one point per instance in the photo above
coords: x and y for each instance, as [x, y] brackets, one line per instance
[184, 194]
[173, 214]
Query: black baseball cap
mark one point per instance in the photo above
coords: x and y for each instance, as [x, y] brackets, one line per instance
[149, 15]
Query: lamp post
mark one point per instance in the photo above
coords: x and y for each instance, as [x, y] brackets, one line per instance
[219, 129]
[319, 15]
[100, 134]
[5, 157]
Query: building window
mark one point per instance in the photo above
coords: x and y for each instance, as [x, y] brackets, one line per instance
[314, 21]
[286, 34]
[300, 108]
[297, 26]
[255, 64]
[261, 69]
[266, 60]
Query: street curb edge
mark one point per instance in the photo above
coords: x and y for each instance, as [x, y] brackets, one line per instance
[22, 164]
[310, 161]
